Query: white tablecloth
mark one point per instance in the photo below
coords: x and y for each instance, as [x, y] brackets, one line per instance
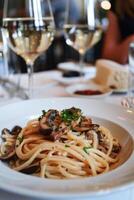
[45, 85]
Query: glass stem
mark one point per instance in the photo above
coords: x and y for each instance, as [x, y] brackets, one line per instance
[18, 71]
[81, 63]
[129, 93]
[30, 79]
[131, 76]
[130, 90]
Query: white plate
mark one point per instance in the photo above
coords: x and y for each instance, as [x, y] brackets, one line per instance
[71, 80]
[88, 86]
[117, 119]
[72, 66]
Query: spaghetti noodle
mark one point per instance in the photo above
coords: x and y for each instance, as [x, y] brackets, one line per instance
[60, 144]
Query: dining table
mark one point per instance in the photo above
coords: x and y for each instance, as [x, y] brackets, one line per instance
[46, 84]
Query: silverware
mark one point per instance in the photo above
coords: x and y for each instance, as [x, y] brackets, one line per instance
[13, 89]
[128, 102]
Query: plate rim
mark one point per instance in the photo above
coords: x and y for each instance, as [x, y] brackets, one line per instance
[86, 66]
[44, 194]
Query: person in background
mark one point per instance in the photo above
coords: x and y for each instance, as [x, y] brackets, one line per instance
[120, 31]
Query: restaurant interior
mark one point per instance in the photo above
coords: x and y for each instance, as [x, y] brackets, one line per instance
[66, 99]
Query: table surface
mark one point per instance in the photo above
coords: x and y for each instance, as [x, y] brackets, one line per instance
[45, 85]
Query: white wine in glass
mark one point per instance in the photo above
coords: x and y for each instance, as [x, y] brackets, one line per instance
[86, 31]
[81, 37]
[29, 29]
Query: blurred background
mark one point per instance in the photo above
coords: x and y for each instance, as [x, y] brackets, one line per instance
[59, 51]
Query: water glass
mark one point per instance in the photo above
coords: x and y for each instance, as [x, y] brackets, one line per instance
[128, 101]
[4, 70]
[131, 76]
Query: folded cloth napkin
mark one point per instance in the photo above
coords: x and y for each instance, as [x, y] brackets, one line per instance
[111, 74]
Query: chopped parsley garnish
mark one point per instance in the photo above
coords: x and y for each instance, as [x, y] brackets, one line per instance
[20, 139]
[86, 149]
[66, 145]
[71, 114]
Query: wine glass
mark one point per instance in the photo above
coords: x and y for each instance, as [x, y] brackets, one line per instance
[29, 28]
[128, 101]
[86, 31]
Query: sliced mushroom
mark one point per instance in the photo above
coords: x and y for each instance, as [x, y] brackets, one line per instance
[100, 136]
[53, 118]
[30, 169]
[7, 148]
[84, 125]
[116, 148]
[80, 129]
[5, 133]
[86, 122]
[55, 135]
[8, 153]
[50, 121]
[16, 130]
[44, 128]
[94, 127]
[89, 135]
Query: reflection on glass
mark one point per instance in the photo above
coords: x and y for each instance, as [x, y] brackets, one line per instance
[87, 31]
[29, 30]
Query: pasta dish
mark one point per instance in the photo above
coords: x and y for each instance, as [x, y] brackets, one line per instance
[60, 144]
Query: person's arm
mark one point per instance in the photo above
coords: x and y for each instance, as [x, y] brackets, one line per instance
[113, 47]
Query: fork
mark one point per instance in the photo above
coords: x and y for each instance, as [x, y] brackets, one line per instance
[13, 89]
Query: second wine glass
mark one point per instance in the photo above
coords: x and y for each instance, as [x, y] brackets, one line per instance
[29, 28]
[86, 31]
